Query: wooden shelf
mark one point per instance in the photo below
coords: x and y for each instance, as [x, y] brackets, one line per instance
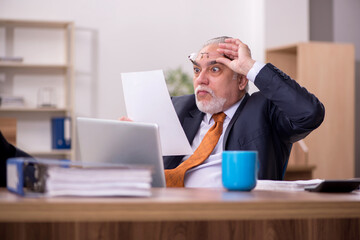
[31, 65]
[285, 49]
[50, 153]
[24, 109]
[297, 168]
[33, 23]
[45, 68]
[299, 172]
[326, 70]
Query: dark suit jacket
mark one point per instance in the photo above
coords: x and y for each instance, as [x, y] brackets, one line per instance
[269, 121]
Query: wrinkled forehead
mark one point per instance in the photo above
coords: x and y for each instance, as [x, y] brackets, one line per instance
[207, 55]
[208, 52]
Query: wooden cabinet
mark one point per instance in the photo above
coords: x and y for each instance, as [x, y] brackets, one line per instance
[328, 71]
[47, 51]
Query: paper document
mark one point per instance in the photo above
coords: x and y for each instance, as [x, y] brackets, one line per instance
[147, 100]
[298, 185]
[97, 181]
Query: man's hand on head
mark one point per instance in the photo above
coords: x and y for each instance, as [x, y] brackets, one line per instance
[239, 53]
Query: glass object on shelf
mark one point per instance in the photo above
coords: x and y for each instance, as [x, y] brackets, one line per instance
[47, 98]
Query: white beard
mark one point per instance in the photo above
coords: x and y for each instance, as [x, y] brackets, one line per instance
[215, 105]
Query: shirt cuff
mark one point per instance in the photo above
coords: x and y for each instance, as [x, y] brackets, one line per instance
[254, 71]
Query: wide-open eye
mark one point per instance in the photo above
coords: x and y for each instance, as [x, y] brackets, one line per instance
[215, 69]
[196, 70]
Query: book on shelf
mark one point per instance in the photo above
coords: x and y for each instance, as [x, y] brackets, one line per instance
[51, 178]
[11, 59]
[11, 101]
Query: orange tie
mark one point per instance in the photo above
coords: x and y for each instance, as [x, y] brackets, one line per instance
[175, 177]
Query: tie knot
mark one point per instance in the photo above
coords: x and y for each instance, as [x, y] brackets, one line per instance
[219, 117]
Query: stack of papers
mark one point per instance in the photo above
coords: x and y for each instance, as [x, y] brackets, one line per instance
[286, 185]
[98, 181]
[51, 177]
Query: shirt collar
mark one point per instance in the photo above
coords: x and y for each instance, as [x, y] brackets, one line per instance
[229, 112]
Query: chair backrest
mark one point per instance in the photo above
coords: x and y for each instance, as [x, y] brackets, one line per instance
[8, 129]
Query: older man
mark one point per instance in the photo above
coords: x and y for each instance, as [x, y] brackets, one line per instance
[221, 115]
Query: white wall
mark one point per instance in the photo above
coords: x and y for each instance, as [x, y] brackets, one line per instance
[286, 22]
[116, 36]
[124, 36]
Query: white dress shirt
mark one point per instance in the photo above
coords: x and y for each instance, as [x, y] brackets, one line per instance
[208, 174]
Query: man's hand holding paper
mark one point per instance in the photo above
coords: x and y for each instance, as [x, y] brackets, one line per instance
[147, 100]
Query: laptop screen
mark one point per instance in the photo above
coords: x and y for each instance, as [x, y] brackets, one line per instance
[112, 141]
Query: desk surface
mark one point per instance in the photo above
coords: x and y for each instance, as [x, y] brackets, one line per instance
[182, 204]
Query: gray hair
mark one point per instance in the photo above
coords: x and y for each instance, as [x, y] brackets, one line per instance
[218, 40]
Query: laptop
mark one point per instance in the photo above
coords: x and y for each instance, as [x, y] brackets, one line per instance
[112, 141]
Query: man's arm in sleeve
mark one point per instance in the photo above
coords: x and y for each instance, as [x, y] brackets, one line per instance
[7, 151]
[293, 111]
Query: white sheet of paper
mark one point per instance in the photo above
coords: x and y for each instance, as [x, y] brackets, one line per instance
[147, 100]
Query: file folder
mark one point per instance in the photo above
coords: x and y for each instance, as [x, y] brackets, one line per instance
[28, 174]
[61, 133]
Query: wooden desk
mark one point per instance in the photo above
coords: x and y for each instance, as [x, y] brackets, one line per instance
[184, 214]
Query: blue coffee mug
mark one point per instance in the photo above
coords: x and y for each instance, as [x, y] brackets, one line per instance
[239, 170]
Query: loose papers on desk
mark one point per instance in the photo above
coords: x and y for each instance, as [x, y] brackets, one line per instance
[27, 176]
[298, 185]
[147, 100]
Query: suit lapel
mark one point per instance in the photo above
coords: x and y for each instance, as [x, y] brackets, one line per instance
[234, 118]
[191, 124]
